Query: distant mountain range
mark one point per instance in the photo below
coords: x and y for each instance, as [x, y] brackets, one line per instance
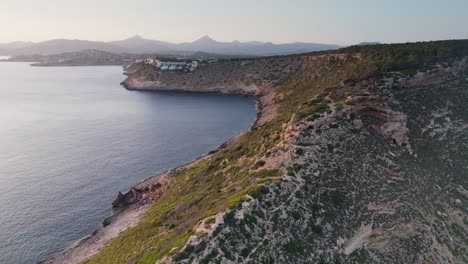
[139, 45]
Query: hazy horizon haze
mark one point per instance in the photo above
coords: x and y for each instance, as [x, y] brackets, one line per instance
[334, 22]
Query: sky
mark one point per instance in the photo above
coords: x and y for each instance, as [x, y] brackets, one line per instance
[342, 22]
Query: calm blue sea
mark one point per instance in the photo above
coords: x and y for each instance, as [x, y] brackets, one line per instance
[71, 138]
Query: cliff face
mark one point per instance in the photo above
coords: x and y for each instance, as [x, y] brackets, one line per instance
[362, 159]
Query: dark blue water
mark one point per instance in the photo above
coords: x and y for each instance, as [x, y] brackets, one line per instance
[71, 138]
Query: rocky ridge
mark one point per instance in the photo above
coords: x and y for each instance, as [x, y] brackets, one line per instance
[361, 186]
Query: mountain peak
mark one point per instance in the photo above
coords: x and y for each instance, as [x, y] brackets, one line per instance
[205, 39]
[136, 37]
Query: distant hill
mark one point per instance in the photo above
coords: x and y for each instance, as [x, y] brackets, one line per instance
[57, 46]
[139, 45]
[16, 45]
[368, 43]
[6, 48]
[207, 44]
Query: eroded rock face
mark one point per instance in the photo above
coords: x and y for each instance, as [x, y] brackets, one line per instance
[380, 178]
[124, 200]
[143, 193]
[393, 123]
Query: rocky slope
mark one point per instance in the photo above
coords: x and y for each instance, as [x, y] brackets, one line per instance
[358, 156]
[380, 177]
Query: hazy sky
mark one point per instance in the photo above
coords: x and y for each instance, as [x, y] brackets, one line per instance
[323, 21]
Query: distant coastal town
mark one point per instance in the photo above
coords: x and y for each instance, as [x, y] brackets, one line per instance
[171, 65]
[186, 66]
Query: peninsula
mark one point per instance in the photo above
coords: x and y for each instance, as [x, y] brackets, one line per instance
[358, 155]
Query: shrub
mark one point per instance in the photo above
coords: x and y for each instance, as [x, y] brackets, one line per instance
[250, 219]
[321, 108]
[293, 247]
[264, 190]
[330, 216]
[314, 117]
[296, 215]
[229, 218]
[255, 192]
[297, 167]
[317, 229]
[300, 151]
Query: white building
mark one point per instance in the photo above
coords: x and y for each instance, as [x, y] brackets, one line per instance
[172, 65]
[150, 61]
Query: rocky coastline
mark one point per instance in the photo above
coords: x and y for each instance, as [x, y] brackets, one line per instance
[129, 209]
[353, 158]
[131, 206]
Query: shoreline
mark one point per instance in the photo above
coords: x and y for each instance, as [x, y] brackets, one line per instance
[234, 90]
[139, 197]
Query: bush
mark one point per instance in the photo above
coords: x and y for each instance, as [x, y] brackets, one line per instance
[264, 190]
[330, 216]
[296, 215]
[317, 229]
[255, 192]
[297, 167]
[300, 151]
[250, 219]
[229, 218]
[293, 247]
[314, 117]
